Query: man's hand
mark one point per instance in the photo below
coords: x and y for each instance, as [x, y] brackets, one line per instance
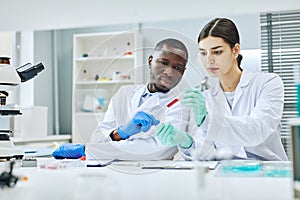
[141, 122]
[69, 151]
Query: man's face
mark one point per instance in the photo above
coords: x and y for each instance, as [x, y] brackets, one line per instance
[166, 68]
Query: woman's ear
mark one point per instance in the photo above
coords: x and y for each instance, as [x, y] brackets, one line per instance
[236, 49]
[150, 60]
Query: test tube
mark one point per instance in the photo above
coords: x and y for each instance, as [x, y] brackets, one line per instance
[204, 86]
[178, 98]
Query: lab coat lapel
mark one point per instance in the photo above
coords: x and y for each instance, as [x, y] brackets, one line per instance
[217, 116]
[218, 98]
[150, 103]
[244, 82]
[135, 100]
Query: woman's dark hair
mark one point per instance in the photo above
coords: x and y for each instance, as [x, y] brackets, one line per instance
[225, 29]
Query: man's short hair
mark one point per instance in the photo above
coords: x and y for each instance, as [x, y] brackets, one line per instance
[172, 43]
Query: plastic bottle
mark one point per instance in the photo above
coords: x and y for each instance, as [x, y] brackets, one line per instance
[116, 76]
[128, 49]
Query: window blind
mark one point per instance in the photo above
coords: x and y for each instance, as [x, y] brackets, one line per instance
[280, 53]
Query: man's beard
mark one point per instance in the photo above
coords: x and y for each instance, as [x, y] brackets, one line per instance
[160, 89]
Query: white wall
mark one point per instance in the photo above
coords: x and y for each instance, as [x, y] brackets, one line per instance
[56, 14]
[187, 30]
[26, 56]
[53, 14]
[6, 41]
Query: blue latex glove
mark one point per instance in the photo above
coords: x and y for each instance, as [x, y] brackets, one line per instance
[170, 136]
[194, 99]
[141, 122]
[69, 151]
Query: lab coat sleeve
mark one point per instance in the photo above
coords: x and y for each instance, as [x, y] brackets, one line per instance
[117, 114]
[104, 128]
[122, 106]
[143, 146]
[263, 121]
[198, 136]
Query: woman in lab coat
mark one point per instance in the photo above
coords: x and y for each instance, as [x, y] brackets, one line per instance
[240, 116]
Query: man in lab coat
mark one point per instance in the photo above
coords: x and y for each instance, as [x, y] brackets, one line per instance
[122, 134]
[167, 66]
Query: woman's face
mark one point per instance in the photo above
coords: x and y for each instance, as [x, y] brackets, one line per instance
[217, 56]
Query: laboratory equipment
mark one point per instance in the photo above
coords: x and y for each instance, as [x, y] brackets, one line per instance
[277, 169]
[10, 78]
[7, 179]
[204, 86]
[241, 165]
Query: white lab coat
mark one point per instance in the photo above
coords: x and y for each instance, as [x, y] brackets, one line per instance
[251, 129]
[143, 146]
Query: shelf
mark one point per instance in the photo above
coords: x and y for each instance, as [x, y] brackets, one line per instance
[89, 114]
[84, 59]
[101, 55]
[104, 82]
[48, 138]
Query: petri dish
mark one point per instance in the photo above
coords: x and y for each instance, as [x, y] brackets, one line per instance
[241, 165]
[277, 169]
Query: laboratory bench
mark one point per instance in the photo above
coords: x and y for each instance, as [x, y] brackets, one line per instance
[72, 179]
[46, 141]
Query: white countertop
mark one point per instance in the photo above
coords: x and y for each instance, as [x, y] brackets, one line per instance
[129, 181]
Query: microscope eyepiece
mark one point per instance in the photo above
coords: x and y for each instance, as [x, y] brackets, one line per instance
[27, 71]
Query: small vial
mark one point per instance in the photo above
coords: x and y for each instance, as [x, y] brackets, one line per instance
[97, 77]
[116, 76]
[84, 76]
[128, 49]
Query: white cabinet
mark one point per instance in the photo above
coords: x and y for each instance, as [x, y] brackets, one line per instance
[102, 62]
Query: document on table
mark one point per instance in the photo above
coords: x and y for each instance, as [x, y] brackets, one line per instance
[37, 152]
[182, 165]
[98, 163]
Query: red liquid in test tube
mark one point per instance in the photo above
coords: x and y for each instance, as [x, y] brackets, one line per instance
[177, 98]
[172, 102]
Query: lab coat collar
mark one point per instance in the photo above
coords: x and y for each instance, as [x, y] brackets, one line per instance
[159, 96]
[146, 91]
[244, 82]
[135, 96]
[245, 79]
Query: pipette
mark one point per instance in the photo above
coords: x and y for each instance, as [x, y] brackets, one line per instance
[204, 86]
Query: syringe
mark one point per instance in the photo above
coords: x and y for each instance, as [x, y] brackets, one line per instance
[204, 86]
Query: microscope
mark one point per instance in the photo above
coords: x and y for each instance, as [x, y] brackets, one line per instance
[11, 77]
